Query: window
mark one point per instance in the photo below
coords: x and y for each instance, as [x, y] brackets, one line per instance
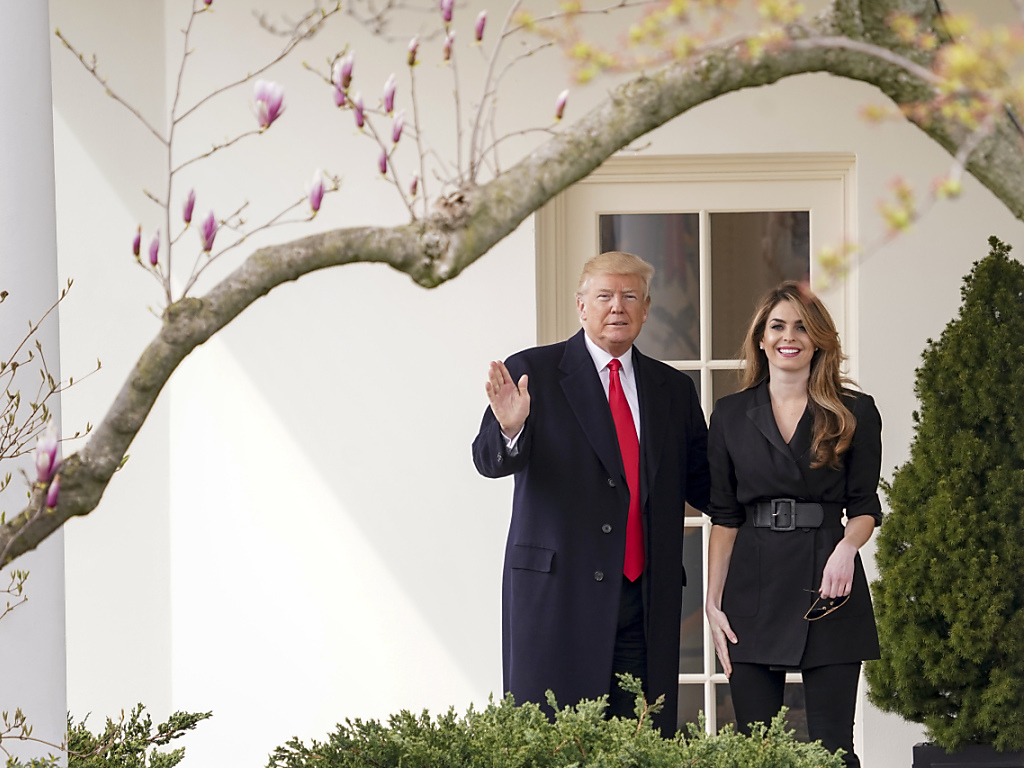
[720, 231]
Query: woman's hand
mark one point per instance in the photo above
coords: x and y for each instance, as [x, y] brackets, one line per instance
[837, 578]
[722, 634]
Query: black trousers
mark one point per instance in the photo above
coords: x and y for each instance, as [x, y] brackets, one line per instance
[630, 648]
[830, 693]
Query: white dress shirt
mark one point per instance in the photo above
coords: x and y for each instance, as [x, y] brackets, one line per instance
[626, 377]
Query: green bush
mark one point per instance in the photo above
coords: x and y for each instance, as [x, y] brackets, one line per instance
[504, 735]
[126, 743]
[950, 595]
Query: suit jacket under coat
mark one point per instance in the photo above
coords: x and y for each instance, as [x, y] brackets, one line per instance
[774, 575]
[563, 560]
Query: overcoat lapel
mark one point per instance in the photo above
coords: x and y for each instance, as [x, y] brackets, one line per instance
[582, 387]
[654, 416]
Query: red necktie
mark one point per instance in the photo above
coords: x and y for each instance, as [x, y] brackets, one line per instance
[625, 428]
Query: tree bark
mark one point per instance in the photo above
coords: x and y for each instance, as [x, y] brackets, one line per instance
[466, 226]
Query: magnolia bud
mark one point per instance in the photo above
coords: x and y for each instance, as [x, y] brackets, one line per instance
[190, 203]
[389, 94]
[560, 104]
[154, 248]
[208, 231]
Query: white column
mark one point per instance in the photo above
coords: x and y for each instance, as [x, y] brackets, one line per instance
[32, 636]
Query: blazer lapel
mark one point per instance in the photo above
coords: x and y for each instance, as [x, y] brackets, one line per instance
[764, 419]
[654, 416]
[582, 387]
[800, 443]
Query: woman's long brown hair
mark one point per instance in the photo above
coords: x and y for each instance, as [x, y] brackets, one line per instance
[834, 424]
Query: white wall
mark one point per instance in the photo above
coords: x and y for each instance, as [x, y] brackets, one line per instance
[299, 536]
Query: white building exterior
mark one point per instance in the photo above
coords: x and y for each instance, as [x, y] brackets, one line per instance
[300, 536]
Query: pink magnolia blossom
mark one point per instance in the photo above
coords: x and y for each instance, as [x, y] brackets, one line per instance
[414, 185]
[154, 248]
[414, 46]
[316, 191]
[268, 102]
[46, 453]
[481, 22]
[137, 242]
[397, 126]
[208, 231]
[448, 45]
[345, 71]
[447, 6]
[560, 104]
[207, 3]
[357, 109]
[389, 94]
[341, 76]
[190, 204]
[382, 162]
[53, 492]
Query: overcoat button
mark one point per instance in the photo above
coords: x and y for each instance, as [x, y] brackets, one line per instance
[611, 482]
[606, 528]
[598, 576]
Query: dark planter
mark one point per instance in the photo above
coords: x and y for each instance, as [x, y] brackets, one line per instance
[980, 756]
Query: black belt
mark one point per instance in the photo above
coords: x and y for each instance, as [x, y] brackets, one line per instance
[789, 514]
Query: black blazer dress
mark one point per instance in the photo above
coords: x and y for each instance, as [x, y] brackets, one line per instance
[774, 575]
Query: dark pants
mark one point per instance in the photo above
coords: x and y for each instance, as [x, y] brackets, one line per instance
[630, 648]
[830, 693]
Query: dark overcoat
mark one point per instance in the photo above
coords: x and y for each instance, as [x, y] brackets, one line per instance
[774, 576]
[566, 543]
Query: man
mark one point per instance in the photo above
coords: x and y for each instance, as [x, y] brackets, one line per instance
[591, 427]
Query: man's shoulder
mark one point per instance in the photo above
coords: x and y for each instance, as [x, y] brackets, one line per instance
[543, 356]
[664, 371]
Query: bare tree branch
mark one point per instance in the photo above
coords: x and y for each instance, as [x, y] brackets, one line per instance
[437, 248]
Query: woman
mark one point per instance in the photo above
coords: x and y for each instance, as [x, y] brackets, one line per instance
[786, 587]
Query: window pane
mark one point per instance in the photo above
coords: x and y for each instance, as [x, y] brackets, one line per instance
[671, 242]
[724, 383]
[695, 378]
[691, 702]
[792, 699]
[691, 627]
[751, 253]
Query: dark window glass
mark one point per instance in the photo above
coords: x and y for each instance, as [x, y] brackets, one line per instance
[670, 242]
[691, 628]
[691, 702]
[724, 383]
[750, 253]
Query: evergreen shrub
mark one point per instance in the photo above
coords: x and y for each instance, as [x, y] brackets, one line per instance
[130, 742]
[504, 735]
[949, 599]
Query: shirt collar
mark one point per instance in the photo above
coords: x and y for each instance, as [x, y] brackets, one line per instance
[602, 358]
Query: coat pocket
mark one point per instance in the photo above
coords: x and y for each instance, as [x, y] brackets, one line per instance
[529, 558]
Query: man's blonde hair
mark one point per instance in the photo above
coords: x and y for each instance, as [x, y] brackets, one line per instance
[616, 263]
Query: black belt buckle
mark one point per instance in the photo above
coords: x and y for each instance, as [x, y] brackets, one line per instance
[783, 515]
